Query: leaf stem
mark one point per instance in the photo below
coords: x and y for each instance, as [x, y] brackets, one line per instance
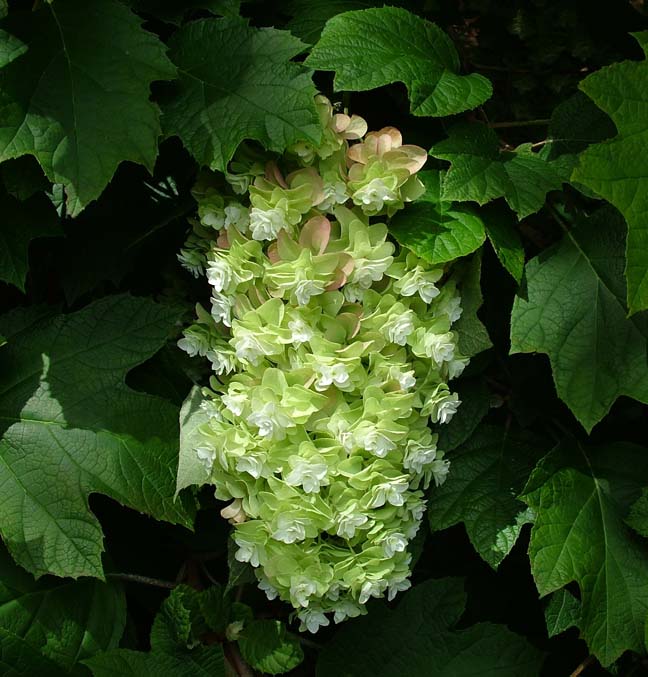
[583, 666]
[146, 580]
[520, 123]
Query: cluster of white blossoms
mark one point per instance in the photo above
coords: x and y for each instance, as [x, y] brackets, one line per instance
[331, 352]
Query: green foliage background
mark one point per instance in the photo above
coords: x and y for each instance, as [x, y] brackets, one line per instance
[536, 118]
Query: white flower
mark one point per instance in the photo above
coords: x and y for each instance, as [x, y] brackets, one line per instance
[248, 551]
[301, 589]
[439, 347]
[334, 194]
[307, 288]
[192, 260]
[301, 332]
[207, 456]
[456, 367]
[212, 409]
[266, 224]
[219, 274]
[270, 591]
[347, 609]
[253, 464]
[399, 327]
[450, 306]
[221, 308]
[367, 271]
[371, 589]
[194, 343]
[354, 293]
[335, 373]
[419, 281]
[377, 443]
[223, 361]
[212, 217]
[349, 521]
[290, 529]
[417, 456]
[235, 401]
[396, 586]
[440, 469]
[271, 421]
[248, 348]
[389, 492]
[374, 195]
[394, 543]
[442, 406]
[312, 620]
[310, 475]
[406, 379]
[238, 216]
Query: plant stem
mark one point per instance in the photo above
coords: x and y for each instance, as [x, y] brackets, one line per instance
[520, 123]
[146, 580]
[583, 666]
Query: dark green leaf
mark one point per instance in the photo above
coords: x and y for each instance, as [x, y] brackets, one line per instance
[579, 535]
[617, 169]
[78, 99]
[574, 311]
[269, 648]
[63, 621]
[71, 427]
[562, 612]
[487, 473]
[236, 83]
[481, 171]
[418, 639]
[23, 222]
[374, 47]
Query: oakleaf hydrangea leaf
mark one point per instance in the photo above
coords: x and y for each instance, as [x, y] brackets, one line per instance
[374, 47]
[574, 311]
[473, 335]
[268, 647]
[488, 472]
[638, 517]
[617, 169]
[237, 82]
[308, 17]
[78, 98]
[481, 171]
[562, 612]
[72, 427]
[504, 238]
[175, 647]
[435, 229]
[64, 621]
[579, 535]
[419, 638]
[23, 222]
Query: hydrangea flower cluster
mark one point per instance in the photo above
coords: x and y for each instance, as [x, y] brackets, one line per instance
[331, 353]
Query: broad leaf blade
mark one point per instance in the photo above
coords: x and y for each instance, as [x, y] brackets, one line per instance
[238, 82]
[23, 222]
[574, 312]
[64, 621]
[78, 99]
[617, 169]
[579, 535]
[418, 639]
[480, 171]
[374, 47]
[269, 648]
[71, 427]
[487, 473]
